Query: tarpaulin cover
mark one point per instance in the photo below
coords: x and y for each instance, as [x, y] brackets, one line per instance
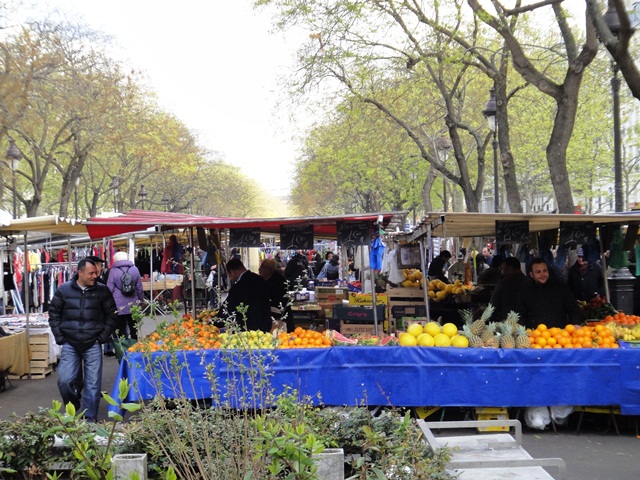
[137, 220]
[403, 376]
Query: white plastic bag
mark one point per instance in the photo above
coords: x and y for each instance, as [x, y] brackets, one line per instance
[560, 413]
[537, 417]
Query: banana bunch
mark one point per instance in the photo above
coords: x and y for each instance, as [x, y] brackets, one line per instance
[620, 332]
[412, 278]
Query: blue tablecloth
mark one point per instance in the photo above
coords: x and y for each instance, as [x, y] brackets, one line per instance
[401, 376]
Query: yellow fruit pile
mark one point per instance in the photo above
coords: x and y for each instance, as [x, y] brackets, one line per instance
[432, 335]
[438, 290]
[412, 278]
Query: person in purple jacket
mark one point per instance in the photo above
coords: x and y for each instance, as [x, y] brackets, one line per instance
[122, 265]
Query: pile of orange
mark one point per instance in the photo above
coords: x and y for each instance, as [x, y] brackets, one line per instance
[301, 338]
[185, 335]
[571, 336]
[622, 318]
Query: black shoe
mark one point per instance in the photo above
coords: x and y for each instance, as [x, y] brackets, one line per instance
[109, 354]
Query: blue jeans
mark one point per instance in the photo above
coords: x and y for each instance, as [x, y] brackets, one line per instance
[89, 365]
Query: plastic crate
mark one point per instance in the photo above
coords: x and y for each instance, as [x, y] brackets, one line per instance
[492, 413]
[629, 343]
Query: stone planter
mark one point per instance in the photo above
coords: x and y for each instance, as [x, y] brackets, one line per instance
[330, 464]
[126, 464]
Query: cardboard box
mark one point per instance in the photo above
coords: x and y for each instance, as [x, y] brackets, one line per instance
[367, 298]
[357, 314]
[358, 328]
[303, 315]
[331, 294]
[399, 311]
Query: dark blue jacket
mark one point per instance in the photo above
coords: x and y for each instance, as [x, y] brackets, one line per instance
[82, 318]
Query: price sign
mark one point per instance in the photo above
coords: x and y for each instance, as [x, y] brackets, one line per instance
[244, 237]
[352, 234]
[296, 237]
[512, 231]
[578, 232]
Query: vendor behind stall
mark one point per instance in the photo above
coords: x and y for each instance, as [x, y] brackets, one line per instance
[277, 286]
[438, 266]
[505, 296]
[546, 300]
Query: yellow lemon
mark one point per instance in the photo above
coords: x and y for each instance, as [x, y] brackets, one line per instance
[426, 340]
[407, 340]
[432, 328]
[449, 329]
[442, 340]
[414, 329]
[460, 341]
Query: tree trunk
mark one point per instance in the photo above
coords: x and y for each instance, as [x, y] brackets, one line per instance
[506, 158]
[559, 141]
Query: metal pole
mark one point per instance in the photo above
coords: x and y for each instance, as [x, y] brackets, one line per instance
[13, 184]
[193, 274]
[617, 141]
[444, 192]
[425, 279]
[25, 290]
[496, 196]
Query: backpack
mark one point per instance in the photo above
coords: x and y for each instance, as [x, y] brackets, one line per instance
[127, 287]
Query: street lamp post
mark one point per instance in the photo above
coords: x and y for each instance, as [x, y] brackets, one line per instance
[13, 157]
[613, 22]
[142, 194]
[490, 111]
[443, 144]
[115, 183]
[75, 195]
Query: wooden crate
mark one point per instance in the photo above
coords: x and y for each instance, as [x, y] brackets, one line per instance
[404, 302]
[39, 363]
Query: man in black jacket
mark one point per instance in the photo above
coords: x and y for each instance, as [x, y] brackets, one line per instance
[251, 291]
[82, 316]
[545, 300]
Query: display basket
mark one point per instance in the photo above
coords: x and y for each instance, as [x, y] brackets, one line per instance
[121, 345]
[629, 343]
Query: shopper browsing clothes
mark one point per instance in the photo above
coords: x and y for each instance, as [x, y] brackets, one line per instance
[125, 296]
[82, 316]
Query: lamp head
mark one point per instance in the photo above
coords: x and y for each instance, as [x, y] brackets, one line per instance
[13, 155]
[490, 109]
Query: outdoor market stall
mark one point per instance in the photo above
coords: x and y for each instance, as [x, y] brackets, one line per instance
[403, 376]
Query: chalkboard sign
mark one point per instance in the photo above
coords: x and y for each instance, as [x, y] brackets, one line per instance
[244, 237]
[578, 232]
[352, 234]
[296, 237]
[512, 231]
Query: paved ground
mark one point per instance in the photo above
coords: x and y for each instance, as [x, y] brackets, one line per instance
[597, 453]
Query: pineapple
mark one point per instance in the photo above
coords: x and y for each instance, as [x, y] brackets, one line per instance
[474, 340]
[507, 340]
[479, 326]
[512, 321]
[522, 339]
[488, 336]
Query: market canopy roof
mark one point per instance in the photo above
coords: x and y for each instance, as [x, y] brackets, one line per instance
[50, 224]
[458, 224]
[137, 220]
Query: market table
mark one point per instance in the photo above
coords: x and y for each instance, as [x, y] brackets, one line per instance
[14, 354]
[404, 376]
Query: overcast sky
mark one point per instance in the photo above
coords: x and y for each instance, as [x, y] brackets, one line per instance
[215, 65]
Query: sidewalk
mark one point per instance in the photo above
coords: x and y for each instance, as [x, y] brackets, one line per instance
[594, 454]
